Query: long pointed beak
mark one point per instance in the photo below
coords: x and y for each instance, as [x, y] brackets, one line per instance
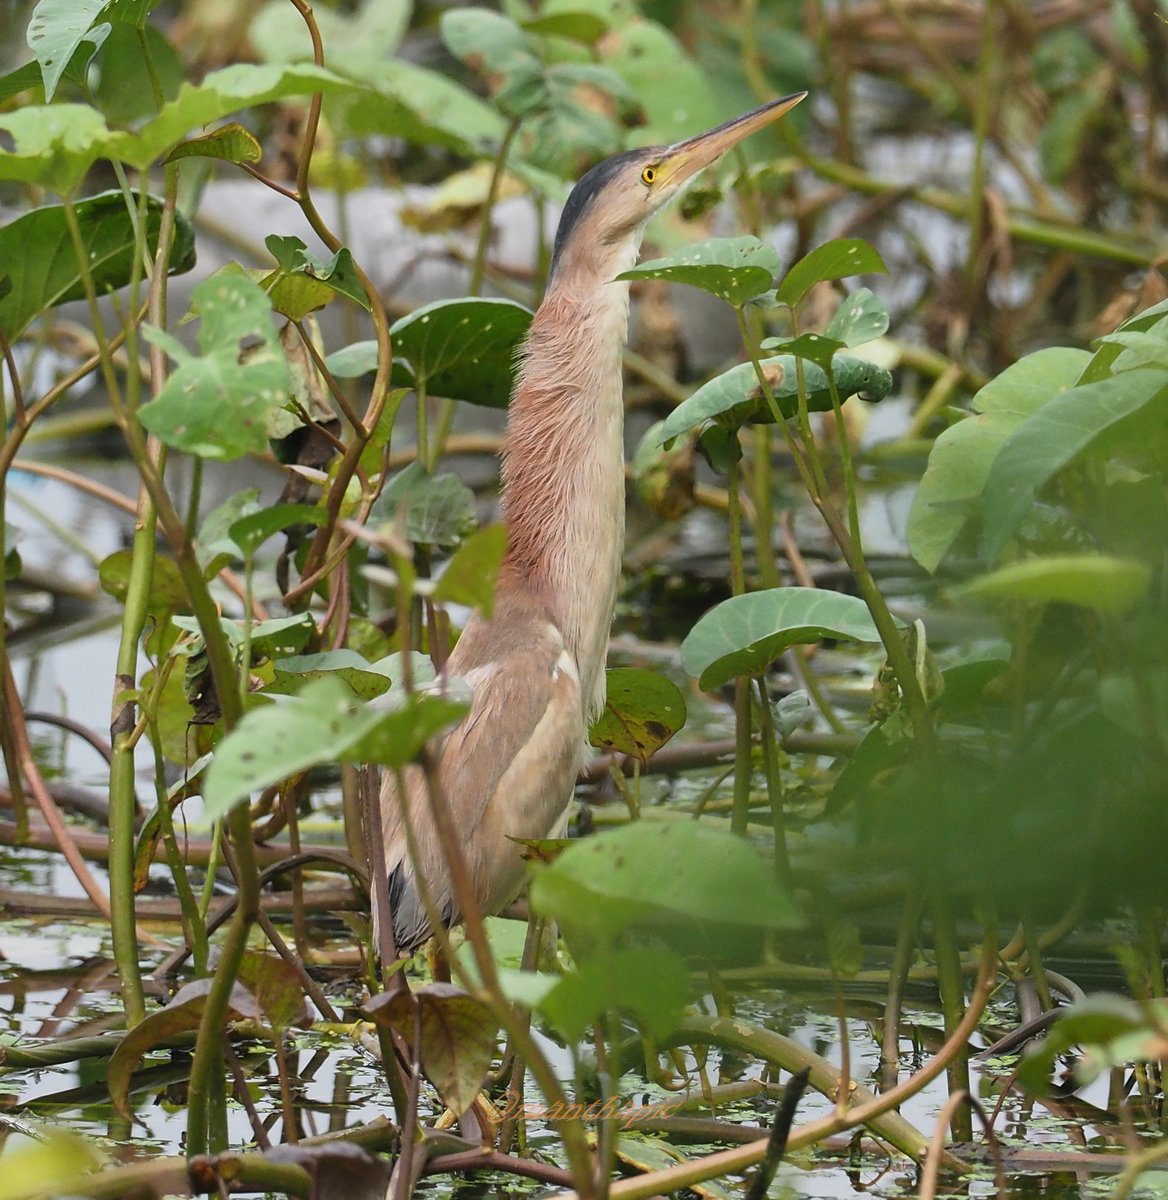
[685, 159]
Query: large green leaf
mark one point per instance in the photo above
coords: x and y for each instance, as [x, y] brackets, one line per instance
[733, 269]
[56, 144]
[325, 723]
[962, 456]
[216, 404]
[364, 678]
[642, 711]
[745, 634]
[221, 93]
[132, 63]
[840, 258]
[56, 31]
[1098, 581]
[461, 349]
[649, 983]
[654, 869]
[735, 398]
[423, 106]
[490, 42]
[36, 253]
[20, 80]
[1051, 439]
[677, 96]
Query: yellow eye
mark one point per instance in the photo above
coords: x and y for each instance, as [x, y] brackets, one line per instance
[648, 175]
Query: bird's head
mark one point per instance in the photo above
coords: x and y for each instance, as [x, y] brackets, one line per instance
[610, 205]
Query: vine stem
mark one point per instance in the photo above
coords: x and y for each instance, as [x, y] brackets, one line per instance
[318, 551]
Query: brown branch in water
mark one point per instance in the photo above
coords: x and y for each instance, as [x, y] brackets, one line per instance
[95, 846]
[492, 1160]
[69, 725]
[14, 718]
[15, 902]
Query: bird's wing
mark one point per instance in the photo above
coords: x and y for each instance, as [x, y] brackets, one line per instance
[507, 770]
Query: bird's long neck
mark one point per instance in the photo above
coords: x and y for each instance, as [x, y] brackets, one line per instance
[563, 462]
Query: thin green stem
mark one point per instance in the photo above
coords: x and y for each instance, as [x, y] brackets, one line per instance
[194, 927]
[774, 782]
[122, 801]
[983, 103]
[482, 248]
[764, 508]
[743, 762]
[423, 424]
[893, 642]
[949, 980]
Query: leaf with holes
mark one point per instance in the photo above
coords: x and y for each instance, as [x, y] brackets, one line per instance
[733, 269]
[182, 1015]
[36, 251]
[745, 634]
[57, 30]
[457, 1037]
[642, 711]
[216, 404]
[461, 349]
[735, 397]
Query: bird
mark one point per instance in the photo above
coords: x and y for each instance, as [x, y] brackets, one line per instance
[536, 667]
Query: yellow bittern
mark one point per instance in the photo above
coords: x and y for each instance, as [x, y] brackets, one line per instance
[536, 667]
